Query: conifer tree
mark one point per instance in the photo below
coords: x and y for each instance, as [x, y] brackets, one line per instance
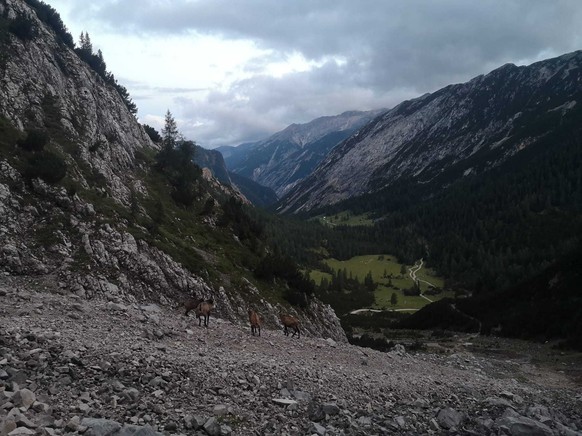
[170, 131]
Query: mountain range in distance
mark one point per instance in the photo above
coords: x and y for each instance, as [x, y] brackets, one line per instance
[457, 131]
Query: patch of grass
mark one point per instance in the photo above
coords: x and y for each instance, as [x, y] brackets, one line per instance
[387, 272]
[346, 218]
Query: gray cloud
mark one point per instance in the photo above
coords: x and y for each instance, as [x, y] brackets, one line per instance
[392, 50]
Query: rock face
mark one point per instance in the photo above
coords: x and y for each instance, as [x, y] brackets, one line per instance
[45, 82]
[214, 161]
[58, 229]
[459, 130]
[282, 160]
[104, 373]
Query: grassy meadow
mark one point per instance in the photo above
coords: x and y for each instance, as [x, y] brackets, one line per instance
[387, 272]
[346, 219]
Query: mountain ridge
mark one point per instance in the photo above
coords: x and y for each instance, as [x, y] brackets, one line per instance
[421, 138]
[284, 158]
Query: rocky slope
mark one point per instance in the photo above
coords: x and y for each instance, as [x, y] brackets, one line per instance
[214, 161]
[72, 365]
[43, 83]
[288, 156]
[95, 229]
[459, 130]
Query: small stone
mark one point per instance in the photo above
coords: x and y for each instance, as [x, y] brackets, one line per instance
[330, 408]
[171, 426]
[7, 426]
[522, 426]
[220, 410]
[24, 398]
[21, 431]
[225, 430]
[74, 423]
[284, 401]
[400, 421]
[194, 422]
[317, 429]
[364, 420]
[449, 418]
[212, 427]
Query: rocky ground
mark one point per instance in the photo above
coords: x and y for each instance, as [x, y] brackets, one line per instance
[75, 366]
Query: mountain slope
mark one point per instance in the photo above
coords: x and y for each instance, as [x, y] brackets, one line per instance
[214, 161]
[257, 194]
[143, 365]
[286, 157]
[83, 198]
[459, 130]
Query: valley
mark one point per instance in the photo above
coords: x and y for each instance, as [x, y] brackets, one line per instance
[429, 253]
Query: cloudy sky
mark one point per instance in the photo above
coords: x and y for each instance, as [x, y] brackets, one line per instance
[237, 71]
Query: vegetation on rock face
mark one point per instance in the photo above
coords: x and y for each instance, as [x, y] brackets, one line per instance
[46, 166]
[48, 15]
[152, 133]
[23, 28]
[97, 64]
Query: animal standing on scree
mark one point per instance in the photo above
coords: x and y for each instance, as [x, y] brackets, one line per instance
[192, 304]
[290, 322]
[255, 321]
[203, 311]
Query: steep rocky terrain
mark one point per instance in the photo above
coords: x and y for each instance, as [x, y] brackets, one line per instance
[285, 158]
[459, 130]
[214, 161]
[107, 228]
[72, 365]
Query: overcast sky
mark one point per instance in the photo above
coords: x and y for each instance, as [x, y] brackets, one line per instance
[238, 71]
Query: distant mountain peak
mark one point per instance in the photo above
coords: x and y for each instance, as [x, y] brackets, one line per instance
[284, 158]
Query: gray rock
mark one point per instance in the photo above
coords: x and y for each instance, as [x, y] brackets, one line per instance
[364, 421]
[194, 422]
[301, 396]
[21, 431]
[284, 401]
[7, 425]
[449, 418]
[400, 421]
[330, 408]
[522, 426]
[212, 427]
[100, 426]
[24, 398]
[399, 350]
[135, 430]
[317, 429]
[315, 412]
[498, 402]
[225, 430]
[220, 410]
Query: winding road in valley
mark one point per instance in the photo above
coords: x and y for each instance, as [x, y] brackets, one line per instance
[412, 272]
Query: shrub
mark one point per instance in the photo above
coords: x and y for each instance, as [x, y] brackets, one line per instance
[23, 28]
[35, 140]
[46, 166]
